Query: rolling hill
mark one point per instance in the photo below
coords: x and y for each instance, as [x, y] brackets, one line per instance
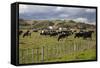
[54, 23]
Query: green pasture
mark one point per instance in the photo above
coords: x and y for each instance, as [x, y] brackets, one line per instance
[86, 48]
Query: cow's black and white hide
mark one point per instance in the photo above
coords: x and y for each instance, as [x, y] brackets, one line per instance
[84, 35]
[27, 33]
[20, 32]
[64, 34]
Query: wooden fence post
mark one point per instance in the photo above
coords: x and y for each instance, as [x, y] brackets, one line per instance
[27, 54]
[42, 54]
[74, 46]
[59, 50]
[22, 59]
[56, 51]
[32, 55]
[47, 51]
[37, 55]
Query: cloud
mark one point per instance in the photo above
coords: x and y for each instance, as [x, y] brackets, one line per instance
[59, 8]
[63, 15]
[81, 20]
[56, 12]
[23, 8]
[35, 9]
[91, 10]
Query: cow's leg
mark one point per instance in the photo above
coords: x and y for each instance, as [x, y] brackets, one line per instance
[62, 39]
[75, 36]
[23, 35]
[58, 39]
[84, 38]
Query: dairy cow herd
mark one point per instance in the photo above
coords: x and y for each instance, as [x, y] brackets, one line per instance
[60, 34]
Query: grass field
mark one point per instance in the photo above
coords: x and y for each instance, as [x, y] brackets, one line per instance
[68, 49]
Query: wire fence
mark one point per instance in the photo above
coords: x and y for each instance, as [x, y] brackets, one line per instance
[50, 53]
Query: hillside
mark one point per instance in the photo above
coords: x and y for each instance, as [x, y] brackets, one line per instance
[54, 23]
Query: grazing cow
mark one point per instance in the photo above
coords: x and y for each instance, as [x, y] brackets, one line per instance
[84, 35]
[80, 34]
[64, 34]
[27, 33]
[53, 34]
[35, 30]
[20, 32]
[43, 32]
[87, 35]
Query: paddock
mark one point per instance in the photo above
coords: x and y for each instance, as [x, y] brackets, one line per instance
[39, 48]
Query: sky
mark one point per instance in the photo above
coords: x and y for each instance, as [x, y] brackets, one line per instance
[36, 12]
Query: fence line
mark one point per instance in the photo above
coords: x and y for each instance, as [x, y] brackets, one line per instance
[47, 53]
